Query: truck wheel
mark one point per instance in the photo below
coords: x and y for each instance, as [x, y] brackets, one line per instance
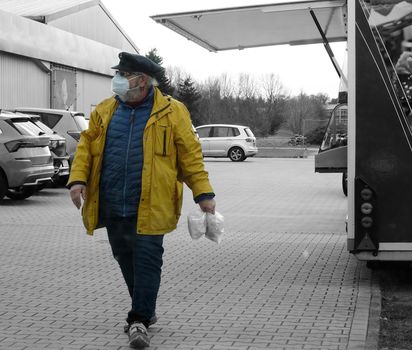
[374, 264]
[345, 183]
[21, 193]
[3, 186]
[236, 154]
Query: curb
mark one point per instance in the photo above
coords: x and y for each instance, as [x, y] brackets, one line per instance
[360, 323]
[372, 338]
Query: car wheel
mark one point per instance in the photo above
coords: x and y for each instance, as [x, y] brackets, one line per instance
[62, 181]
[21, 193]
[3, 186]
[236, 154]
[345, 183]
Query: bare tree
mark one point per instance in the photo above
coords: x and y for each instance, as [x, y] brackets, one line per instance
[246, 87]
[209, 103]
[272, 87]
[274, 94]
[226, 86]
[176, 75]
[304, 107]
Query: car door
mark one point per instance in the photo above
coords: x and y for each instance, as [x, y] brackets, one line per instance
[204, 138]
[220, 141]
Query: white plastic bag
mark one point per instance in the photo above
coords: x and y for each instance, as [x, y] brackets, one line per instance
[196, 221]
[209, 225]
[214, 227]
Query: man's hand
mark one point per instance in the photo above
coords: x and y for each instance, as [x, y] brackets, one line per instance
[77, 193]
[208, 205]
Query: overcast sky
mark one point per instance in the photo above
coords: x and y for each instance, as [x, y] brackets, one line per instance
[300, 68]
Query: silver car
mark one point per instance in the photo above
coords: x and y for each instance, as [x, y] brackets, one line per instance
[58, 150]
[68, 124]
[25, 158]
[236, 142]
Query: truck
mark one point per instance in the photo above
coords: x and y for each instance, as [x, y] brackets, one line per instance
[375, 151]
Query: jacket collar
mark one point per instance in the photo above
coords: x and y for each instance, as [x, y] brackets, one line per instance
[106, 109]
[161, 107]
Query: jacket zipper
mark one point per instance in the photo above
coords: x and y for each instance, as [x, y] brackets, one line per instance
[164, 143]
[131, 121]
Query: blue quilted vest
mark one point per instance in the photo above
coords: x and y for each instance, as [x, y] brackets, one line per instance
[121, 175]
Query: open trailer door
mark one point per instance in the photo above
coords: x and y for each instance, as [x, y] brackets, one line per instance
[261, 25]
[379, 135]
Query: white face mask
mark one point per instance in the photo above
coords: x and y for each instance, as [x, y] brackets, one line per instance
[121, 87]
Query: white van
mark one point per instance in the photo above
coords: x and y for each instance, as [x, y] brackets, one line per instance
[236, 142]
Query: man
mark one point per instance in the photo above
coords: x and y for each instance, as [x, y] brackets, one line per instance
[128, 168]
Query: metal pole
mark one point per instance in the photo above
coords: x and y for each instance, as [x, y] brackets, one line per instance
[328, 48]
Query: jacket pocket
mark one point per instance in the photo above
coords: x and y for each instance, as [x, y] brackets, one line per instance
[162, 140]
[95, 148]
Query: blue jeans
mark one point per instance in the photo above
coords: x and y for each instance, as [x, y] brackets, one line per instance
[140, 260]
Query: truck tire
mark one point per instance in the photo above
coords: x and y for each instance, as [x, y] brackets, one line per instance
[345, 183]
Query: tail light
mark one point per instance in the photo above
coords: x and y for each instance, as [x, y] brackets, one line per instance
[249, 139]
[366, 208]
[75, 134]
[13, 146]
[56, 143]
[365, 217]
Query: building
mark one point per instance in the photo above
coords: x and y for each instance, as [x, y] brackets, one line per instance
[58, 53]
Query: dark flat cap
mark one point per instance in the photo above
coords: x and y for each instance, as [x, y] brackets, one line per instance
[130, 62]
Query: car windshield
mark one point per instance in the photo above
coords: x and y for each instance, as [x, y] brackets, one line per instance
[337, 129]
[81, 121]
[27, 127]
[249, 132]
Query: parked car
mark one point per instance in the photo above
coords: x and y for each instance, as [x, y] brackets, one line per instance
[25, 158]
[224, 140]
[58, 151]
[195, 131]
[68, 124]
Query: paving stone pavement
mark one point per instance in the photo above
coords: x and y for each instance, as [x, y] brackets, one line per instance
[281, 278]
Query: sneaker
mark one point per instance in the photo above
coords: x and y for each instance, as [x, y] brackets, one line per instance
[138, 337]
[152, 321]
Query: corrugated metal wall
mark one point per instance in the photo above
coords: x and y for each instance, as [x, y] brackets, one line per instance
[93, 23]
[91, 89]
[22, 82]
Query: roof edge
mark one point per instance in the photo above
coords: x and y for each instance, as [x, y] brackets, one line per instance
[269, 7]
[70, 10]
[103, 7]
[28, 38]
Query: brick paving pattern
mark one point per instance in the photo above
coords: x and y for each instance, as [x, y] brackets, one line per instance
[281, 278]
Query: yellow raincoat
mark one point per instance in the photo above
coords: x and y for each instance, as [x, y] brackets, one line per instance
[165, 164]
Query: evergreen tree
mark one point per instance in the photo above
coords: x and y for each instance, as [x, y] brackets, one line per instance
[189, 95]
[164, 82]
